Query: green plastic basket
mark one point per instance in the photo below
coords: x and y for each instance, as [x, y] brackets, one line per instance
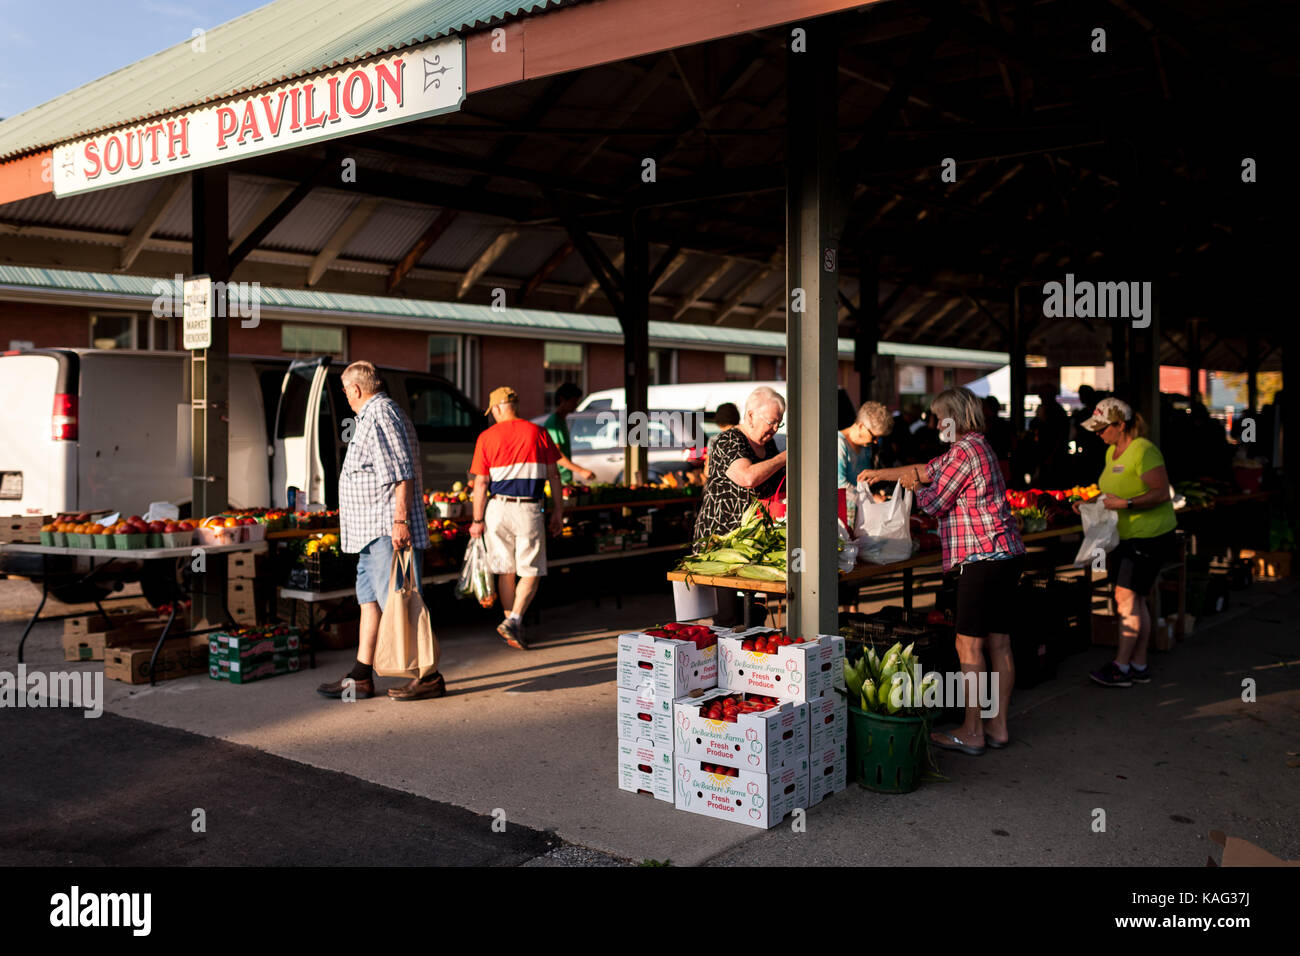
[887, 754]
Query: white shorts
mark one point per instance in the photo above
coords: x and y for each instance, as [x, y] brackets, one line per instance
[515, 532]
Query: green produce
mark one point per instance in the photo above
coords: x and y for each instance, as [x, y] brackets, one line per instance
[852, 679]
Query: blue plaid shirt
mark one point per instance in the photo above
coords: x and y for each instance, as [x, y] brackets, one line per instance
[384, 451]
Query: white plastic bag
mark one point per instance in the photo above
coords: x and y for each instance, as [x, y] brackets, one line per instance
[848, 550]
[882, 527]
[476, 578]
[1100, 531]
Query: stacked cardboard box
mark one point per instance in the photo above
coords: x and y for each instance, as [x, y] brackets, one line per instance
[86, 636]
[246, 585]
[179, 657]
[652, 673]
[250, 654]
[810, 674]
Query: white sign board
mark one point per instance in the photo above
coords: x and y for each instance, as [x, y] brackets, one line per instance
[196, 331]
[407, 85]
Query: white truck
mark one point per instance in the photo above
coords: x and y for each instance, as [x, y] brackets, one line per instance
[90, 429]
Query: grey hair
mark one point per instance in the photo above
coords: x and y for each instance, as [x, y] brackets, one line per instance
[365, 376]
[764, 396]
[962, 407]
[876, 417]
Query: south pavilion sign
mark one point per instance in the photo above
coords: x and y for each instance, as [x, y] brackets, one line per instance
[397, 88]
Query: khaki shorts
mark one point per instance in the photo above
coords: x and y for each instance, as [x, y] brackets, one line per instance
[515, 533]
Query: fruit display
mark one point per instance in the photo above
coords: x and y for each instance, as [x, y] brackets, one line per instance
[730, 708]
[769, 643]
[112, 531]
[602, 493]
[755, 550]
[700, 635]
[447, 504]
[321, 543]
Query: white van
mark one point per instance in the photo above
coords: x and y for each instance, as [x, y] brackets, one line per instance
[89, 429]
[701, 396]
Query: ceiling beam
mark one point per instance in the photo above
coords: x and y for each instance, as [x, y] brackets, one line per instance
[737, 297]
[418, 248]
[938, 315]
[161, 201]
[485, 260]
[693, 296]
[273, 216]
[672, 259]
[552, 263]
[359, 216]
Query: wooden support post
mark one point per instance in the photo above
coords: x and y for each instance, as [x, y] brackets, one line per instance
[1018, 374]
[635, 319]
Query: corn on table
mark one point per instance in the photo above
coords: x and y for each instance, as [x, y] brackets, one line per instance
[131, 554]
[863, 572]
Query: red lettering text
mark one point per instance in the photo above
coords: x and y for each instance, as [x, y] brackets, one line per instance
[388, 80]
[349, 91]
[92, 156]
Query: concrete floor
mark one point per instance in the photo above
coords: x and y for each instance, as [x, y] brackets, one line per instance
[531, 736]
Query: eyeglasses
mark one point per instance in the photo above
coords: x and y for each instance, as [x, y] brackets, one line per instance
[767, 421]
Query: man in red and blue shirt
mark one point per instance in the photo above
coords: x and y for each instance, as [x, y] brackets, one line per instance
[513, 460]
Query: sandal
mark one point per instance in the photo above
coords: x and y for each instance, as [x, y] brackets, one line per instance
[995, 744]
[956, 744]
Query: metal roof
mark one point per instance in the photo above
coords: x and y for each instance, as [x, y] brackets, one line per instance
[280, 41]
[477, 319]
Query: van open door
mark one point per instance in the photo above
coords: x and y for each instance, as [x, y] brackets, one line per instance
[296, 443]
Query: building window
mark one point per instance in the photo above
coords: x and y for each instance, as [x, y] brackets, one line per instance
[911, 379]
[160, 335]
[311, 340]
[738, 368]
[663, 366]
[562, 362]
[455, 358]
[112, 330]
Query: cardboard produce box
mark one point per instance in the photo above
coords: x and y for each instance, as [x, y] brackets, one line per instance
[796, 672]
[828, 771]
[94, 622]
[246, 565]
[752, 798]
[759, 741]
[645, 768]
[179, 657]
[674, 668]
[251, 669]
[22, 529]
[828, 721]
[642, 713]
[233, 647]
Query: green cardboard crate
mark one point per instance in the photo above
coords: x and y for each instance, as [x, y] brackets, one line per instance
[245, 646]
[253, 669]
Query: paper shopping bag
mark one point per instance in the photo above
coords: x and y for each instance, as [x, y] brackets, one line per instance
[407, 646]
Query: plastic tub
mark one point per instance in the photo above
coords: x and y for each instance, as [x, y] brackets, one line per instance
[213, 537]
[887, 754]
[254, 532]
[178, 539]
[127, 542]
[101, 542]
[47, 539]
[155, 540]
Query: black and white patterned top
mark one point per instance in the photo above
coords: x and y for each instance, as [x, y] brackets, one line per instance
[725, 501]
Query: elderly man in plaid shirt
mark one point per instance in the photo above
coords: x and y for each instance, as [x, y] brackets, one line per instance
[381, 508]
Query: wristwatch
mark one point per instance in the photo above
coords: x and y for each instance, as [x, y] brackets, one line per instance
[399, 521]
[1128, 504]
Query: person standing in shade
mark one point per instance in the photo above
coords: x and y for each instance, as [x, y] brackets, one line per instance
[1135, 485]
[513, 460]
[381, 510]
[567, 397]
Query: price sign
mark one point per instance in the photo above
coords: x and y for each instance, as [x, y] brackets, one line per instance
[197, 321]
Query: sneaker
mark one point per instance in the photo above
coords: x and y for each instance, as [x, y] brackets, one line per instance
[1142, 676]
[1111, 676]
[513, 633]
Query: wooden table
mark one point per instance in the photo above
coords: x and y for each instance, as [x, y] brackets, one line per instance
[862, 572]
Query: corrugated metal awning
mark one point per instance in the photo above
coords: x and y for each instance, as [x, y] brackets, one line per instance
[280, 41]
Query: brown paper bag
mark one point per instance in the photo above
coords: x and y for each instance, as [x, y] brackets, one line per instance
[406, 647]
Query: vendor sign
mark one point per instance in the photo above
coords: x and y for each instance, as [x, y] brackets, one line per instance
[407, 85]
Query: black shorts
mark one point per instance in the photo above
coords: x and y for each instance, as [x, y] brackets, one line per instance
[986, 596]
[1137, 561]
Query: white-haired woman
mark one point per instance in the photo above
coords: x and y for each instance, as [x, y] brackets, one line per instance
[963, 488]
[743, 464]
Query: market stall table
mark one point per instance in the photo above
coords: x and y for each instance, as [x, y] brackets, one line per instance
[131, 554]
[862, 572]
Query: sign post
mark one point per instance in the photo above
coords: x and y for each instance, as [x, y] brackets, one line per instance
[196, 332]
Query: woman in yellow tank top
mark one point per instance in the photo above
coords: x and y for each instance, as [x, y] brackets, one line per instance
[1134, 484]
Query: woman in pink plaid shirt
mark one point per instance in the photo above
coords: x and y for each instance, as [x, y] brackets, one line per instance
[964, 489]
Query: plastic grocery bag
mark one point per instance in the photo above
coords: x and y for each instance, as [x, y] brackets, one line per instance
[406, 645]
[882, 527]
[848, 548]
[476, 577]
[1100, 531]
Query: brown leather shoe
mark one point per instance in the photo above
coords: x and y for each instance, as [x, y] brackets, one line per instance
[363, 689]
[420, 689]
